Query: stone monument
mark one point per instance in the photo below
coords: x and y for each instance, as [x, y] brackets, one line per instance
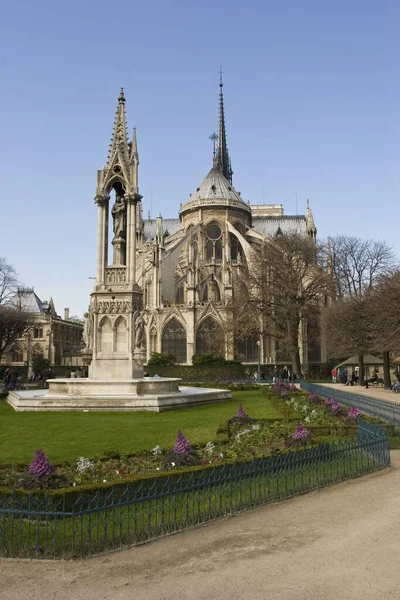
[114, 332]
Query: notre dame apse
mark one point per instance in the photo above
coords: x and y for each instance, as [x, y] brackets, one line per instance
[168, 285]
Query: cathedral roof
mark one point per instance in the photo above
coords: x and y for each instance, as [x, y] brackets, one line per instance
[269, 226]
[170, 226]
[214, 190]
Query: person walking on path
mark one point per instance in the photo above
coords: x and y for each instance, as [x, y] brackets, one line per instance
[334, 375]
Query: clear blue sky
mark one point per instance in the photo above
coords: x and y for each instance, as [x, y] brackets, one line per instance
[312, 108]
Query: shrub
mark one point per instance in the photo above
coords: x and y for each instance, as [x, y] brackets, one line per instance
[158, 359]
[206, 359]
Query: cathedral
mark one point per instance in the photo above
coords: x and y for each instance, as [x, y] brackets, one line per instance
[179, 272]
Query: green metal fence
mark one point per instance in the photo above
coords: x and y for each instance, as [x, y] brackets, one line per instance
[70, 525]
[383, 409]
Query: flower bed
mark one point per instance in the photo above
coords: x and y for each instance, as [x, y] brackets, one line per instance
[312, 421]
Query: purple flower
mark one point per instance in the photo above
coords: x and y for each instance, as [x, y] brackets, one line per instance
[41, 465]
[312, 396]
[301, 432]
[181, 445]
[240, 413]
[283, 393]
[335, 408]
[354, 414]
[329, 401]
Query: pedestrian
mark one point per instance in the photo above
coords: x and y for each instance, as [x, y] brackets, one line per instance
[6, 378]
[12, 378]
[285, 374]
[334, 375]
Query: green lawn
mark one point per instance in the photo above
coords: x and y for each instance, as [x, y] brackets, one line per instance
[67, 435]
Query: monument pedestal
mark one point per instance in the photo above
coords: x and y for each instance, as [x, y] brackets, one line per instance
[156, 394]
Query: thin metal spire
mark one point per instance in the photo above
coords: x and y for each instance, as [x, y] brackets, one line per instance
[223, 161]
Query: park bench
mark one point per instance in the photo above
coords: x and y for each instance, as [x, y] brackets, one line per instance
[377, 382]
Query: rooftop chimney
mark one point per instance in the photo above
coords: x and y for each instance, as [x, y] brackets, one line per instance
[66, 314]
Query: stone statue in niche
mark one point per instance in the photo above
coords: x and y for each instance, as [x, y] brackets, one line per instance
[139, 331]
[88, 331]
[118, 212]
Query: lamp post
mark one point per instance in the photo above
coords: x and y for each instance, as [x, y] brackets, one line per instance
[259, 365]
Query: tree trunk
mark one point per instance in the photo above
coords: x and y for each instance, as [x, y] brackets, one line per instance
[296, 367]
[386, 370]
[361, 368]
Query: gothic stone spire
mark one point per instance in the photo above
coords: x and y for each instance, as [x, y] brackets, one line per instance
[119, 140]
[123, 158]
[222, 158]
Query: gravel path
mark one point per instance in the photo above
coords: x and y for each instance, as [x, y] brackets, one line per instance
[372, 392]
[340, 543]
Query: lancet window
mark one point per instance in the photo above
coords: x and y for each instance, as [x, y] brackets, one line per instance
[210, 338]
[213, 242]
[174, 341]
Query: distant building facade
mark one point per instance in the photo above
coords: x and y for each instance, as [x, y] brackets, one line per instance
[57, 339]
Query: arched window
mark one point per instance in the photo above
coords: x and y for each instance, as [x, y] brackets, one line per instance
[180, 294]
[153, 339]
[213, 242]
[37, 350]
[121, 337]
[174, 340]
[105, 335]
[204, 292]
[195, 251]
[210, 338]
[236, 248]
[247, 350]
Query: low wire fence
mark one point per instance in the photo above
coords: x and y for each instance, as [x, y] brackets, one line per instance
[383, 409]
[72, 524]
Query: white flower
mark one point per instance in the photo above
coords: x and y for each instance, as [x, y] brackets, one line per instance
[157, 450]
[173, 464]
[209, 447]
[82, 464]
[158, 468]
[256, 427]
[104, 480]
[221, 455]
[74, 484]
[307, 420]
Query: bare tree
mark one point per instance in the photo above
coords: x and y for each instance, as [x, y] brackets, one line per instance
[14, 322]
[357, 264]
[8, 282]
[285, 282]
[348, 329]
[385, 320]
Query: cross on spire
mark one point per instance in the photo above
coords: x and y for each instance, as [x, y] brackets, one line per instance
[213, 137]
